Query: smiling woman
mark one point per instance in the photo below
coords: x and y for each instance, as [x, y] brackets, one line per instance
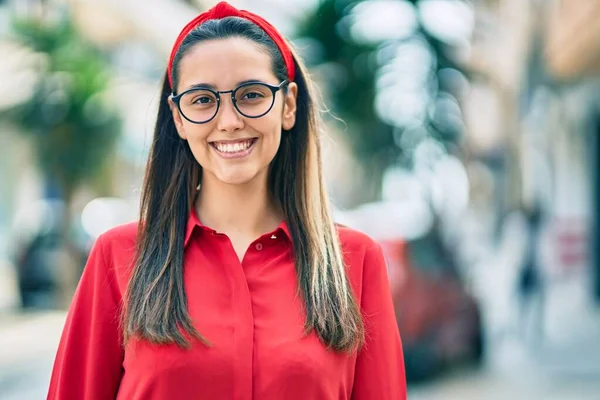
[235, 284]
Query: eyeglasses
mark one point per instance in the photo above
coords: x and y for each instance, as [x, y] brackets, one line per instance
[252, 100]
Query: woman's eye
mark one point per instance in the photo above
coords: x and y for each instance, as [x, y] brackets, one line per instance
[252, 96]
[203, 100]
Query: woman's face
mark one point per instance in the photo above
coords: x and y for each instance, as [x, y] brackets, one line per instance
[232, 148]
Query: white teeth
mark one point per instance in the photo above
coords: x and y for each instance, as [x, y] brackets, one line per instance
[233, 147]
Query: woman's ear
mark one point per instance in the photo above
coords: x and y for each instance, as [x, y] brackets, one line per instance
[289, 107]
[177, 119]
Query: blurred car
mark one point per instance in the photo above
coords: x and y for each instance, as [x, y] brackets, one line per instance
[41, 240]
[37, 252]
[439, 320]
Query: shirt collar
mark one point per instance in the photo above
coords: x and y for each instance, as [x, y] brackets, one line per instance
[283, 227]
[194, 221]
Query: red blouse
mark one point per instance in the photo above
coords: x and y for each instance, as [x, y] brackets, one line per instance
[249, 311]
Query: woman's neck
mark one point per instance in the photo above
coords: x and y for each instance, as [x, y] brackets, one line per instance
[246, 210]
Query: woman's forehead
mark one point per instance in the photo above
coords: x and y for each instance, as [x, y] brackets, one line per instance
[225, 62]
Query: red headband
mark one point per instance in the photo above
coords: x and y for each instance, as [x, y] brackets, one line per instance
[222, 10]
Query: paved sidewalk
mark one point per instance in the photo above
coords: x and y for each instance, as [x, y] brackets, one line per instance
[517, 372]
[27, 350]
[489, 385]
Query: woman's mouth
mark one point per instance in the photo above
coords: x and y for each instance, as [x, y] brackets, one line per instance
[234, 149]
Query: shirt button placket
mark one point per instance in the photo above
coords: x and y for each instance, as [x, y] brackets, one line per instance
[243, 334]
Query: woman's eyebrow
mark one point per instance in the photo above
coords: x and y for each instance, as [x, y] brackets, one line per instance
[214, 87]
[202, 86]
[248, 81]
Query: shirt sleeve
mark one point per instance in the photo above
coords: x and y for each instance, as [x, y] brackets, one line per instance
[379, 372]
[88, 363]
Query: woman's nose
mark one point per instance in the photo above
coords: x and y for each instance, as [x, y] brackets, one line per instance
[228, 118]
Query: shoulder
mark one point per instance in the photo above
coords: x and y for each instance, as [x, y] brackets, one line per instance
[117, 247]
[109, 263]
[355, 241]
[119, 238]
[364, 259]
[360, 251]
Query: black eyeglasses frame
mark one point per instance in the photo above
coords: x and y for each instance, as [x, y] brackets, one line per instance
[274, 89]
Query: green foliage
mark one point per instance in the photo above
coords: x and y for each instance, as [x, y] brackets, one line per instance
[352, 92]
[351, 81]
[70, 122]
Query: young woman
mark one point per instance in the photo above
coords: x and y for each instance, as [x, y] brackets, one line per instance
[236, 284]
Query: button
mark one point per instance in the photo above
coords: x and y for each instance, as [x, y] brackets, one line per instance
[258, 246]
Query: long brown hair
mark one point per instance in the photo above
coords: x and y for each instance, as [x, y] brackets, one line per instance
[156, 304]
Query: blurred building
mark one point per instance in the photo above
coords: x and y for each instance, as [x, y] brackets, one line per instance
[533, 117]
[573, 53]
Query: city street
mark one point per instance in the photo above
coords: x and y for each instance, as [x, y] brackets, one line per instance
[462, 136]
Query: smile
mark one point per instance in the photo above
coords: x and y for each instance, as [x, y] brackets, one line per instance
[234, 149]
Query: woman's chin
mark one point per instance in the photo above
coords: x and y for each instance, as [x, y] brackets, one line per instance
[236, 177]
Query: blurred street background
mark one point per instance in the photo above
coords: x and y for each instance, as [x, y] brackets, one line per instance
[462, 135]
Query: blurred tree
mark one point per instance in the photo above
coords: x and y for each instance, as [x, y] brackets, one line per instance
[349, 71]
[68, 117]
[71, 125]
